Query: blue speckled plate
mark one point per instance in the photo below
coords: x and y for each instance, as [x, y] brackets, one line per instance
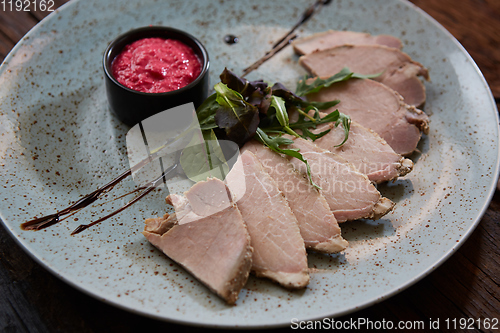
[58, 141]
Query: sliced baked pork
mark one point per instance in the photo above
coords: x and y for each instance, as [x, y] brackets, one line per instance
[317, 224]
[399, 71]
[375, 106]
[279, 250]
[349, 193]
[366, 150]
[331, 38]
[206, 236]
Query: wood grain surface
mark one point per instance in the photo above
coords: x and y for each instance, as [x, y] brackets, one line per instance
[465, 286]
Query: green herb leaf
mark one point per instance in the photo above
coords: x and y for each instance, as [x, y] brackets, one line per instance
[278, 104]
[256, 93]
[274, 143]
[336, 117]
[280, 90]
[345, 120]
[281, 114]
[321, 105]
[203, 157]
[345, 74]
[238, 118]
[306, 121]
[227, 97]
[306, 133]
[215, 148]
[206, 113]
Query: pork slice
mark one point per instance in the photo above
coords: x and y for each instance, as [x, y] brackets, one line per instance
[279, 250]
[375, 106]
[160, 225]
[366, 150]
[207, 236]
[349, 193]
[399, 71]
[331, 38]
[317, 224]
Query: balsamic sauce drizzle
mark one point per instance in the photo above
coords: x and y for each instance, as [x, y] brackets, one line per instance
[47, 221]
[286, 39]
[268, 55]
[147, 189]
[305, 17]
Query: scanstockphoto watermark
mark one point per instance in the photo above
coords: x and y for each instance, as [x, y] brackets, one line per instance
[360, 323]
[27, 5]
[331, 177]
[418, 325]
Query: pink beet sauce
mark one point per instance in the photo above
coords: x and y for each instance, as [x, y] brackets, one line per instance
[156, 65]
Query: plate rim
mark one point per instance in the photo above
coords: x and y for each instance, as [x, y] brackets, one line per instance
[437, 263]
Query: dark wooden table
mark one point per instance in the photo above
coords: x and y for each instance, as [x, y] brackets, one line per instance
[465, 286]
